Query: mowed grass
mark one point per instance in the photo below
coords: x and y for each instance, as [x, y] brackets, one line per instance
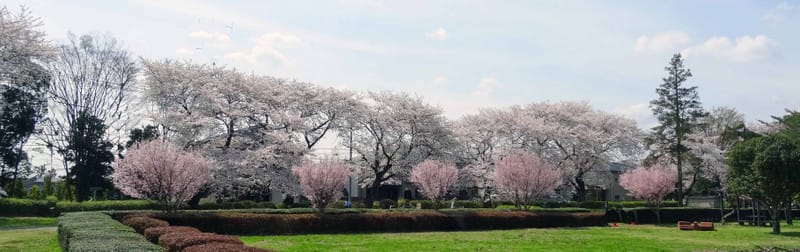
[28, 234]
[623, 238]
[23, 222]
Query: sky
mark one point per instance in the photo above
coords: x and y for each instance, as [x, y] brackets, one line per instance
[466, 55]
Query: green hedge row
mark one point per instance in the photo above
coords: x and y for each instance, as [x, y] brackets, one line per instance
[27, 207]
[400, 221]
[673, 215]
[97, 231]
[592, 204]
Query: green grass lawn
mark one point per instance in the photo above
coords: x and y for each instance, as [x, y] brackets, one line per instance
[623, 238]
[23, 222]
[28, 234]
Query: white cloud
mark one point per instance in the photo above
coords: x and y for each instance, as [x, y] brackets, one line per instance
[777, 14]
[660, 42]
[640, 112]
[486, 86]
[743, 49]
[214, 36]
[268, 45]
[438, 34]
[439, 80]
[184, 50]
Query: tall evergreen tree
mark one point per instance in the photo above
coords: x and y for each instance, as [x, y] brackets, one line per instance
[678, 109]
[90, 155]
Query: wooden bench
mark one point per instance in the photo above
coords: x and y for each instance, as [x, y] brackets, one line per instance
[705, 226]
[685, 225]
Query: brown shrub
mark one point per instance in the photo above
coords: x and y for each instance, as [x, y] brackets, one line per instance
[152, 234]
[222, 247]
[140, 223]
[175, 242]
[124, 216]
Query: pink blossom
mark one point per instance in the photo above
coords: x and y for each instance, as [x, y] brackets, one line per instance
[651, 184]
[526, 177]
[322, 182]
[161, 171]
[434, 178]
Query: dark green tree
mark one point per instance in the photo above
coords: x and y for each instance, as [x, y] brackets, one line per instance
[90, 155]
[766, 168]
[678, 110]
[16, 189]
[138, 135]
[48, 187]
[23, 104]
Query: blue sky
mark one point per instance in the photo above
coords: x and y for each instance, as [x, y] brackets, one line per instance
[463, 55]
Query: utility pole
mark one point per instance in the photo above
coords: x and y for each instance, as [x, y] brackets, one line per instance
[350, 176]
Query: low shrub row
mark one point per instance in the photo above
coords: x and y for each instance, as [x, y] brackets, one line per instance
[140, 223]
[673, 215]
[245, 204]
[182, 238]
[401, 221]
[222, 247]
[177, 241]
[591, 204]
[97, 231]
[153, 233]
[12, 207]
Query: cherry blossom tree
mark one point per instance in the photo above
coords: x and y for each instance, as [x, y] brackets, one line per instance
[161, 171]
[480, 138]
[434, 179]
[391, 132]
[255, 127]
[322, 183]
[708, 148]
[575, 137]
[526, 177]
[651, 184]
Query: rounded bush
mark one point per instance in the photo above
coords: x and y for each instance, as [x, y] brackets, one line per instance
[140, 223]
[175, 242]
[152, 234]
[222, 247]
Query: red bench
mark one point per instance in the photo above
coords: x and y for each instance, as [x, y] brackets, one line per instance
[705, 226]
[685, 225]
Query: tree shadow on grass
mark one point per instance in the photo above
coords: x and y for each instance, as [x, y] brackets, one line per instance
[790, 234]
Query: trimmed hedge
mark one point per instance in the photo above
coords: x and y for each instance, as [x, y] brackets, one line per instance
[140, 223]
[12, 207]
[152, 234]
[222, 247]
[175, 242]
[97, 231]
[673, 215]
[403, 221]
[26, 207]
[246, 204]
[591, 204]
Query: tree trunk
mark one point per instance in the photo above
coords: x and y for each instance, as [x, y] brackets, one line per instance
[776, 220]
[788, 212]
[580, 189]
[2, 175]
[371, 193]
[679, 165]
[67, 183]
[658, 216]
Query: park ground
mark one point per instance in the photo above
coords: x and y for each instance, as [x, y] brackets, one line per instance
[28, 234]
[622, 238]
[39, 234]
